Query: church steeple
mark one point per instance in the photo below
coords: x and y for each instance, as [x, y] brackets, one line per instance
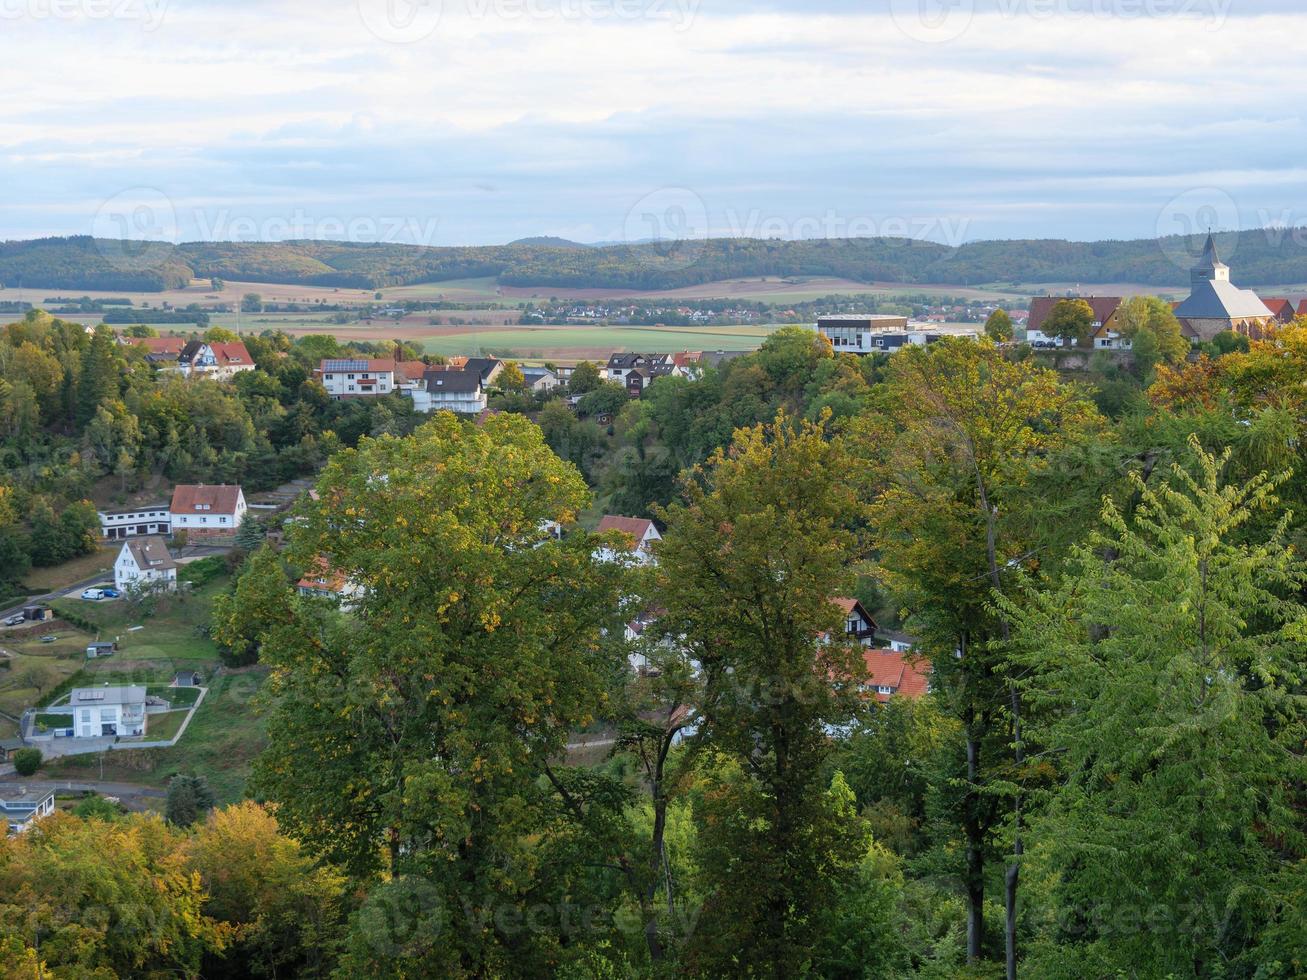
[1210, 268]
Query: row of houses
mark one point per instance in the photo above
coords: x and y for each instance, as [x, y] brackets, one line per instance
[1214, 305]
[202, 511]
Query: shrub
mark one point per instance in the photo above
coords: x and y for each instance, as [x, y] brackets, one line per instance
[27, 761]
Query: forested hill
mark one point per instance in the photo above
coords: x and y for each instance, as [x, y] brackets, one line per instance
[1261, 258]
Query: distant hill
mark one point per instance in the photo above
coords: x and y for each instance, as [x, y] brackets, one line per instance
[550, 240]
[1260, 258]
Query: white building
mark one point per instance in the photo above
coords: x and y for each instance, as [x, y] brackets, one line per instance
[864, 333]
[206, 511]
[641, 532]
[461, 391]
[108, 711]
[219, 361]
[131, 521]
[20, 807]
[357, 377]
[144, 563]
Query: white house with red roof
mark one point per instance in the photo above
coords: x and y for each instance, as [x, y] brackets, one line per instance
[206, 511]
[891, 673]
[642, 535]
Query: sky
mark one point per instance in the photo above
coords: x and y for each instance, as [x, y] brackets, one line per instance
[469, 122]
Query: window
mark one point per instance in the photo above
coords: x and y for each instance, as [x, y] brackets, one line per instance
[884, 689]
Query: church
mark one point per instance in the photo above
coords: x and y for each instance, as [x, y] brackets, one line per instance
[1215, 304]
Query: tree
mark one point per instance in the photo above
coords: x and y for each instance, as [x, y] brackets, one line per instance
[964, 431]
[251, 532]
[1070, 321]
[431, 710]
[511, 378]
[606, 399]
[287, 910]
[1155, 333]
[189, 799]
[998, 327]
[585, 378]
[251, 303]
[220, 335]
[216, 284]
[747, 570]
[97, 808]
[27, 761]
[99, 379]
[1165, 674]
[259, 603]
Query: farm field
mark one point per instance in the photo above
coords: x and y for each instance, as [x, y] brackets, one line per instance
[83, 567]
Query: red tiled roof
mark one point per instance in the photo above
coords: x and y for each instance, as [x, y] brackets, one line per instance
[637, 527]
[1042, 306]
[221, 499]
[1302, 308]
[159, 345]
[323, 577]
[411, 370]
[907, 673]
[231, 353]
[1282, 308]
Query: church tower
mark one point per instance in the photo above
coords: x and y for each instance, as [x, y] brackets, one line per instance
[1210, 268]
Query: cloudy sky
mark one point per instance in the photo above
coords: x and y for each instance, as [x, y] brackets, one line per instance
[481, 121]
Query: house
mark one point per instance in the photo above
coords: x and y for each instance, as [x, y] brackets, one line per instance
[108, 711]
[216, 360]
[144, 563]
[635, 372]
[716, 358]
[187, 678]
[1106, 333]
[540, 379]
[641, 532]
[1302, 308]
[462, 391]
[1216, 305]
[163, 351]
[356, 377]
[38, 614]
[324, 582]
[146, 519]
[408, 375]
[206, 511]
[1281, 309]
[858, 623]
[21, 807]
[894, 674]
[896, 641]
[101, 648]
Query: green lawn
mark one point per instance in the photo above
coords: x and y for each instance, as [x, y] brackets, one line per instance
[525, 340]
[164, 726]
[179, 697]
[221, 743]
[172, 633]
[99, 562]
[44, 720]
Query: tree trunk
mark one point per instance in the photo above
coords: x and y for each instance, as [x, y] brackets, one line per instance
[975, 874]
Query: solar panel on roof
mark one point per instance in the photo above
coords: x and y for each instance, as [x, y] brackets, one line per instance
[347, 365]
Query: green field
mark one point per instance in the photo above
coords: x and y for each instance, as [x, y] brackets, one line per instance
[526, 341]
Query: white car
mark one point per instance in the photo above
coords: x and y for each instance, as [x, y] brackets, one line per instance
[95, 595]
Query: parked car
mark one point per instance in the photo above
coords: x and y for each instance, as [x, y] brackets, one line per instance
[111, 593]
[15, 620]
[94, 595]
[49, 638]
